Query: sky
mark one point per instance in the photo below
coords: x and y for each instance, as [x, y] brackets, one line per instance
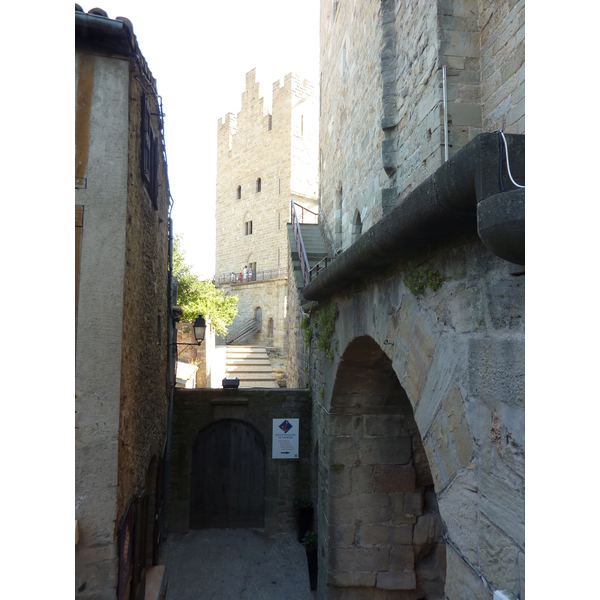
[199, 54]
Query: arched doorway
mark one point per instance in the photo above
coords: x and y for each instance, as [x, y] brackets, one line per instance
[228, 477]
[383, 528]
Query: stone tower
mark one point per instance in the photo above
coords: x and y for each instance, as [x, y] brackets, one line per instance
[265, 158]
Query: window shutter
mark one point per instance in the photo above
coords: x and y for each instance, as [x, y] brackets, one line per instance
[154, 172]
[146, 139]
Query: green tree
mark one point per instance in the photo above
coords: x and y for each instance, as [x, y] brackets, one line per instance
[195, 296]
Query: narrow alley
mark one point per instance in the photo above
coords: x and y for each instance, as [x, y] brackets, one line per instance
[232, 564]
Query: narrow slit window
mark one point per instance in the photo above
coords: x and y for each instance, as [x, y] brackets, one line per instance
[239, 192]
[258, 185]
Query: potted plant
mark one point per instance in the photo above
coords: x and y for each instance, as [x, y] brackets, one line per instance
[304, 516]
[311, 543]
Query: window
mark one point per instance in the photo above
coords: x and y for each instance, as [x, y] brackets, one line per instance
[271, 328]
[258, 184]
[149, 153]
[239, 192]
[270, 123]
[252, 269]
[248, 228]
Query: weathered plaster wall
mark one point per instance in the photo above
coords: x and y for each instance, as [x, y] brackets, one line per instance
[99, 326]
[458, 354]
[285, 480]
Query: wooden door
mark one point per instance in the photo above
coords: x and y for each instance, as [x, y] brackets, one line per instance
[228, 477]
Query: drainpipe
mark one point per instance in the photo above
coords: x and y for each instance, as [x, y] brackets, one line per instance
[446, 208]
[172, 353]
[444, 84]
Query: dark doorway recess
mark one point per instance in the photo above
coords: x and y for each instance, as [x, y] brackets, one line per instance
[228, 477]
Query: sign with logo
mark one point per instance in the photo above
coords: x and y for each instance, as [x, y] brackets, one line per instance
[285, 438]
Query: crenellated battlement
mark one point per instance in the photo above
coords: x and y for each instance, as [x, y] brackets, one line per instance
[254, 117]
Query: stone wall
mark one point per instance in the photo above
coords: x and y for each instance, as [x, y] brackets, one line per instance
[350, 135]
[270, 297]
[297, 351]
[144, 359]
[458, 355]
[285, 480]
[502, 24]
[279, 146]
[201, 355]
[382, 112]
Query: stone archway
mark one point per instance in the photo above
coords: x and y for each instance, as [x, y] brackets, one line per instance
[381, 525]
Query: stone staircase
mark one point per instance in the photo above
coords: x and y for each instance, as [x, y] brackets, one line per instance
[315, 251]
[251, 365]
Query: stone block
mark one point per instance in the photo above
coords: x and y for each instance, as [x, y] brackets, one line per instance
[343, 450]
[394, 479]
[505, 302]
[459, 507]
[413, 504]
[372, 535]
[365, 559]
[402, 558]
[391, 580]
[504, 506]
[365, 579]
[362, 480]
[462, 114]
[395, 450]
[499, 558]
[384, 425]
[342, 536]
[422, 346]
[340, 578]
[461, 581]
[342, 511]
[340, 483]
[427, 531]
[496, 370]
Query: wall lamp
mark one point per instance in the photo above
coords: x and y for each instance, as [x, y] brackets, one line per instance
[199, 332]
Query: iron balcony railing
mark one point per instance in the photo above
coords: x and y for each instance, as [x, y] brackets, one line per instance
[259, 275]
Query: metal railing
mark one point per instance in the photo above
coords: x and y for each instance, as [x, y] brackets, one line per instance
[304, 266]
[304, 215]
[243, 330]
[260, 275]
[322, 264]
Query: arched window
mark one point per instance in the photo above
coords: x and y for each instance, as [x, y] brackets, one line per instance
[258, 185]
[239, 192]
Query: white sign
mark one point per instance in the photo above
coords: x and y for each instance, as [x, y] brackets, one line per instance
[285, 438]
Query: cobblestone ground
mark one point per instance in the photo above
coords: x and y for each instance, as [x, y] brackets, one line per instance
[212, 564]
